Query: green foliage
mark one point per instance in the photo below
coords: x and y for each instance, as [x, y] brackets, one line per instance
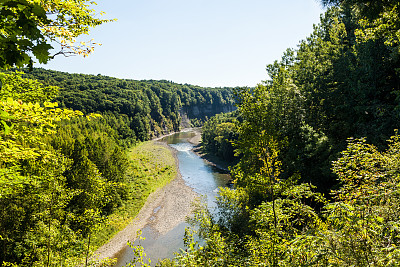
[385, 25]
[52, 195]
[341, 83]
[33, 192]
[29, 26]
[94, 150]
[14, 86]
[139, 254]
[142, 109]
[17, 40]
[218, 135]
[363, 221]
[368, 8]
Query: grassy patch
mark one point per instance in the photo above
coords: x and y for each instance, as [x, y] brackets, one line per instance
[151, 167]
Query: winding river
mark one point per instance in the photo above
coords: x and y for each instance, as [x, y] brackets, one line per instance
[203, 178]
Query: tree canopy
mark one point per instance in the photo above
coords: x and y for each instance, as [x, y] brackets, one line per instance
[318, 173]
[141, 109]
[30, 28]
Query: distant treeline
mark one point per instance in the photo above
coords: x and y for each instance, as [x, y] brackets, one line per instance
[138, 110]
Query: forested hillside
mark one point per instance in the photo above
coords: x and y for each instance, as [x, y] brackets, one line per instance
[64, 174]
[317, 144]
[317, 183]
[65, 170]
[342, 81]
[138, 109]
[219, 134]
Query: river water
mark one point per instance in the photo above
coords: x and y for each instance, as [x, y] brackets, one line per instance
[203, 178]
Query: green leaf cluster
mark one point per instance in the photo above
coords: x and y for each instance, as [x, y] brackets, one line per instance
[28, 27]
[218, 135]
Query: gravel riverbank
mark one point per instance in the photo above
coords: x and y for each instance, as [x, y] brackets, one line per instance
[165, 208]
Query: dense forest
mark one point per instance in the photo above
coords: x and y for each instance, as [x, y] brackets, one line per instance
[142, 109]
[69, 153]
[219, 134]
[317, 182]
[316, 145]
[61, 175]
[64, 173]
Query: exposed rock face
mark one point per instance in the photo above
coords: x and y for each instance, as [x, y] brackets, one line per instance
[202, 111]
[186, 113]
[185, 121]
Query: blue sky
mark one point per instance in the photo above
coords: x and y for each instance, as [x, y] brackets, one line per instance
[201, 42]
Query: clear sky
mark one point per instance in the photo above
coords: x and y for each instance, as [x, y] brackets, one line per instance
[202, 42]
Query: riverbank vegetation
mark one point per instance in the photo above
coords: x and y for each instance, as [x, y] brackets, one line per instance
[150, 166]
[318, 175]
[67, 182]
[317, 179]
[219, 134]
[69, 179]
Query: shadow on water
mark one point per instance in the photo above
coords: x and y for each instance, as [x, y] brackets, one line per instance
[202, 177]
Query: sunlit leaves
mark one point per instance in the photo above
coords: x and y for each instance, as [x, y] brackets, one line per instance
[385, 27]
[26, 124]
[34, 194]
[28, 27]
[68, 20]
[363, 222]
[27, 90]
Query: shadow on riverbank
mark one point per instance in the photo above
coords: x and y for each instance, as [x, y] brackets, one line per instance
[222, 165]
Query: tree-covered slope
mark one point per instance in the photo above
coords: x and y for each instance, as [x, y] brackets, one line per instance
[61, 174]
[339, 83]
[148, 108]
[327, 120]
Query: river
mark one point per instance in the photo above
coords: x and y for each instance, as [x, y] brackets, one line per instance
[203, 178]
